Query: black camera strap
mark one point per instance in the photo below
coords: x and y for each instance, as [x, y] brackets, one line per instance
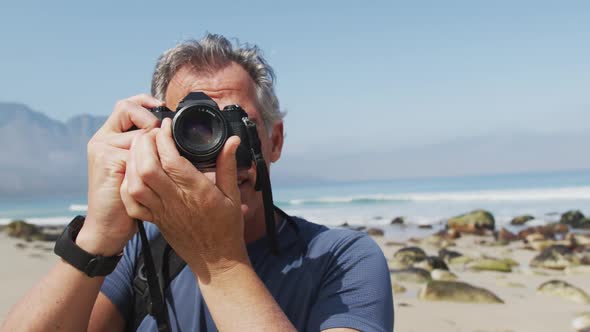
[263, 183]
[157, 304]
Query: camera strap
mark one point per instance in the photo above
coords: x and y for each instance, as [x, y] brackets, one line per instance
[263, 183]
[157, 304]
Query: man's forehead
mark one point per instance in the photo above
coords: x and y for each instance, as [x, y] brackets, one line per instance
[228, 85]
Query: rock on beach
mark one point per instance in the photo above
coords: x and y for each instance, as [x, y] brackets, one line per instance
[556, 257]
[456, 291]
[414, 275]
[410, 255]
[521, 220]
[490, 264]
[575, 219]
[475, 222]
[564, 290]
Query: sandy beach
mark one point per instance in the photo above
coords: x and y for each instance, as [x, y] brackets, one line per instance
[23, 264]
[523, 307]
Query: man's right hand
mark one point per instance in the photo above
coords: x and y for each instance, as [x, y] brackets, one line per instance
[108, 228]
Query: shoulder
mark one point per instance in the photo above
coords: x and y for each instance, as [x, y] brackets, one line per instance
[354, 285]
[338, 242]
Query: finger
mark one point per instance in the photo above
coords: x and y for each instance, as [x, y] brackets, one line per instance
[226, 175]
[133, 112]
[134, 209]
[124, 140]
[149, 168]
[178, 168]
[146, 100]
[106, 162]
[136, 188]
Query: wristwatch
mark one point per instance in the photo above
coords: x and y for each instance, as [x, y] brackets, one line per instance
[92, 265]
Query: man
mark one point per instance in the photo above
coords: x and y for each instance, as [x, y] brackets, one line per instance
[329, 280]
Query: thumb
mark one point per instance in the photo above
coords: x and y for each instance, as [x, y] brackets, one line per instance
[226, 175]
[178, 168]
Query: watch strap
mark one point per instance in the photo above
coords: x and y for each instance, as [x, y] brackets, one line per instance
[92, 265]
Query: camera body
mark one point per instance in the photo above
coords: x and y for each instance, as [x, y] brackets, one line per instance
[200, 130]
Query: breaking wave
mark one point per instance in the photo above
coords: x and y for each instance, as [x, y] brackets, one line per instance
[542, 194]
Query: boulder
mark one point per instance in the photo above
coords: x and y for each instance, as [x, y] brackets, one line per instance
[564, 290]
[431, 263]
[461, 260]
[375, 231]
[555, 257]
[512, 284]
[21, 229]
[456, 291]
[398, 221]
[490, 264]
[437, 263]
[548, 231]
[575, 219]
[453, 234]
[448, 234]
[510, 261]
[410, 255]
[475, 222]
[414, 275]
[505, 235]
[396, 264]
[436, 241]
[443, 275]
[447, 255]
[521, 220]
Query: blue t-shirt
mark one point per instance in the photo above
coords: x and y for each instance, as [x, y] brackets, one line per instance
[323, 278]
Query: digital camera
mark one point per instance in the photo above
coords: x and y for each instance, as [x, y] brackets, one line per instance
[200, 130]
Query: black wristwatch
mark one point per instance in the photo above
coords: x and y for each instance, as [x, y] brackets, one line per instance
[92, 265]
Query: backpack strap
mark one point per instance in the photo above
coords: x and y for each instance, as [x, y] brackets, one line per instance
[167, 265]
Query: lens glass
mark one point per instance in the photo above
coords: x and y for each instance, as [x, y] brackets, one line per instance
[199, 130]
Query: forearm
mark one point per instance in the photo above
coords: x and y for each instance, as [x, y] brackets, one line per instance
[62, 300]
[239, 301]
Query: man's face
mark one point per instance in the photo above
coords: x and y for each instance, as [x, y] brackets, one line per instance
[228, 86]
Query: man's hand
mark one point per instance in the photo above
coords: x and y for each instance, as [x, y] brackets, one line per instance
[108, 228]
[200, 218]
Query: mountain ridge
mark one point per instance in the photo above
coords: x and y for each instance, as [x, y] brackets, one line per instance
[42, 156]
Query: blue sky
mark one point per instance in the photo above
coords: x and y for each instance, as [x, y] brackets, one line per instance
[390, 74]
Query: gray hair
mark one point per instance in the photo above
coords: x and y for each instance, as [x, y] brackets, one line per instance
[214, 52]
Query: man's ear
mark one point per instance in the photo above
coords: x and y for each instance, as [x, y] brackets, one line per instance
[276, 141]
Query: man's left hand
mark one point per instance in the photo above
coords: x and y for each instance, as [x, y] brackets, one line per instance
[201, 218]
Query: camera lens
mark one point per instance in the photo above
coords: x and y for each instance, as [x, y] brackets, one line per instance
[199, 130]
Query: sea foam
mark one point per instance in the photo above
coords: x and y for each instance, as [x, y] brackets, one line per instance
[540, 194]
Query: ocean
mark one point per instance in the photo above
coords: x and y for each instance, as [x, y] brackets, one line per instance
[421, 201]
